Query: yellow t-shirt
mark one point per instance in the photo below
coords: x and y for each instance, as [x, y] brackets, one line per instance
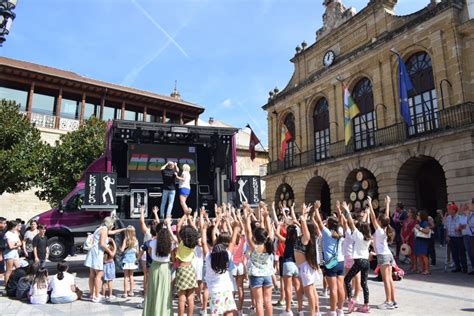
[184, 254]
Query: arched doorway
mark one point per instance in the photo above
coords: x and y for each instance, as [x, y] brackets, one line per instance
[359, 184]
[318, 189]
[421, 182]
[284, 195]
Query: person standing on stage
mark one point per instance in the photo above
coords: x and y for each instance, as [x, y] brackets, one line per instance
[184, 187]
[169, 173]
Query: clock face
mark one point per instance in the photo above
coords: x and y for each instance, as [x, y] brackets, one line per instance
[329, 58]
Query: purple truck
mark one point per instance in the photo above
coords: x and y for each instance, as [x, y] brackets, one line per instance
[135, 151]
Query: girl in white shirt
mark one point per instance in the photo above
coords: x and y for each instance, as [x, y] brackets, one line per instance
[218, 277]
[362, 239]
[38, 293]
[382, 236]
[13, 243]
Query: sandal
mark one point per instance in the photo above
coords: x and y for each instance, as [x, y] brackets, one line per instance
[130, 294]
[124, 295]
[425, 273]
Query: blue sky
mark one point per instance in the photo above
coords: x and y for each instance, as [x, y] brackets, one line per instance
[225, 54]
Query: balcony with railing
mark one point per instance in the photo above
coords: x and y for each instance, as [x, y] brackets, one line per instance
[454, 117]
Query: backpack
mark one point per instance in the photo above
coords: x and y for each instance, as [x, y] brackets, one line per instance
[89, 242]
[23, 287]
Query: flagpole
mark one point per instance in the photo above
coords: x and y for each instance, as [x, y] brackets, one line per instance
[260, 143]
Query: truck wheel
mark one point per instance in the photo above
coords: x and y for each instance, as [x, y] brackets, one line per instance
[58, 249]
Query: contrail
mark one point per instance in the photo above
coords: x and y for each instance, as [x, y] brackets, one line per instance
[133, 74]
[152, 20]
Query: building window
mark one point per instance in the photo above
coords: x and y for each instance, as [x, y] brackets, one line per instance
[289, 161]
[321, 129]
[70, 108]
[111, 112]
[19, 96]
[92, 108]
[43, 103]
[364, 123]
[422, 98]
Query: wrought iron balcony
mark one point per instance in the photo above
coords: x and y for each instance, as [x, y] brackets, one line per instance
[450, 118]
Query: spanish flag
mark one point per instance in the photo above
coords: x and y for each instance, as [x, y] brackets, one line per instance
[351, 110]
[285, 137]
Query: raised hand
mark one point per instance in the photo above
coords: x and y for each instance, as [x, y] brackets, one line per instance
[387, 200]
[345, 206]
[317, 205]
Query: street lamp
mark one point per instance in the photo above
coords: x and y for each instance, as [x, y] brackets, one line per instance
[6, 17]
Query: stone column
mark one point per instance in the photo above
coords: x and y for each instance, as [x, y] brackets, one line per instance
[58, 109]
[29, 103]
[83, 107]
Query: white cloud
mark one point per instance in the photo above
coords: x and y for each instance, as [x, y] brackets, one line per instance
[227, 103]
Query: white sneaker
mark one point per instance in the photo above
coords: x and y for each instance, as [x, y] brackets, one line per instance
[300, 313]
[385, 305]
[339, 312]
[203, 312]
[96, 299]
[330, 313]
[285, 313]
[324, 293]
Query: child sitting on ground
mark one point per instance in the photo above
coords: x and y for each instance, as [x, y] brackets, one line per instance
[38, 293]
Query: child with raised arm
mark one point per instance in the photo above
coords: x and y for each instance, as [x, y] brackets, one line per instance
[260, 266]
[382, 236]
[333, 259]
[185, 274]
[362, 239]
[218, 278]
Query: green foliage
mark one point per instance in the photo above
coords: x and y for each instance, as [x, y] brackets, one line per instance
[65, 163]
[21, 150]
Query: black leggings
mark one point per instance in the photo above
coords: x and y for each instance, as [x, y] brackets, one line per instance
[361, 265]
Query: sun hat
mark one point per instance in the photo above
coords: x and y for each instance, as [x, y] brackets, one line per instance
[405, 250]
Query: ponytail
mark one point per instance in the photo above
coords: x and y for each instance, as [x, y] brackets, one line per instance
[62, 267]
[269, 245]
[390, 234]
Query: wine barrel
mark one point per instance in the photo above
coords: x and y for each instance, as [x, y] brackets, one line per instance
[361, 195]
[356, 186]
[368, 184]
[353, 196]
[360, 175]
[357, 205]
[375, 204]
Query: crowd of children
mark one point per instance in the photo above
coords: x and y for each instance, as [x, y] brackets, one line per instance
[207, 260]
[211, 258]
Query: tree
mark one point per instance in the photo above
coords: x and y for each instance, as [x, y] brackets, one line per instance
[21, 150]
[65, 163]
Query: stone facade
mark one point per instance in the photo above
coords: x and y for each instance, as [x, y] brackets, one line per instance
[362, 45]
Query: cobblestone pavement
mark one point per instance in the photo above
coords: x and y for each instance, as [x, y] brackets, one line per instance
[441, 293]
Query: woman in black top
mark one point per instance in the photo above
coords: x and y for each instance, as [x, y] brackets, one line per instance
[168, 173]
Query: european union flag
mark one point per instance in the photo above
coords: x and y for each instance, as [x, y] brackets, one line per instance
[404, 85]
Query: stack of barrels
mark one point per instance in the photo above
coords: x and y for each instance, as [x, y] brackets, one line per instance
[365, 185]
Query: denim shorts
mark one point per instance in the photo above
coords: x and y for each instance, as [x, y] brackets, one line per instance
[184, 191]
[64, 299]
[290, 269]
[337, 270]
[259, 281]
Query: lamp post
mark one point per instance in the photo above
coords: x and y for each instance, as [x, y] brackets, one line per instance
[6, 17]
